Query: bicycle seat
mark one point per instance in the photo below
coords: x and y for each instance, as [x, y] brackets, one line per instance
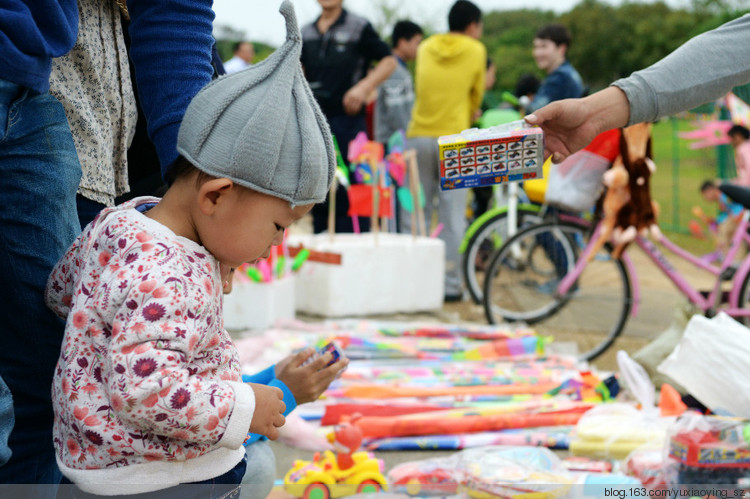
[736, 193]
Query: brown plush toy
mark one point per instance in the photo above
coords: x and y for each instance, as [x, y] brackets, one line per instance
[627, 208]
[616, 179]
[639, 215]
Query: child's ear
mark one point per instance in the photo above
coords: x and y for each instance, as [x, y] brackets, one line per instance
[212, 193]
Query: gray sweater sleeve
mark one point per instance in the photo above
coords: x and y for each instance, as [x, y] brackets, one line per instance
[703, 69]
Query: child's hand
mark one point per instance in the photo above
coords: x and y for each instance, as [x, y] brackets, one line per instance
[307, 383]
[269, 411]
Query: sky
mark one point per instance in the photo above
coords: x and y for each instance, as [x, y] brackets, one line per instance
[261, 21]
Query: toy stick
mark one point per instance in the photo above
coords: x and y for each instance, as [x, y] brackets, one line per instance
[411, 159]
[418, 199]
[408, 155]
[374, 225]
[254, 274]
[383, 176]
[300, 258]
[265, 270]
[332, 208]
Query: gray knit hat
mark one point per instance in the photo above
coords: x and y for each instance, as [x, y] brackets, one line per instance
[262, 128]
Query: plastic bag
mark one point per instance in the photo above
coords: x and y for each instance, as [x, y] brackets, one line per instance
[614, 430]
[576, 183]
[712, 362]
[709, 450]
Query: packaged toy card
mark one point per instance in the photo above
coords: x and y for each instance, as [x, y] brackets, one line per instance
[476, 157]
[332, 347]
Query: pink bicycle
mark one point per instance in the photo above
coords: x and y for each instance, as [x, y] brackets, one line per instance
[544, 274]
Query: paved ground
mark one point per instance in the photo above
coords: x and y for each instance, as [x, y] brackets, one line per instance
[659, 301]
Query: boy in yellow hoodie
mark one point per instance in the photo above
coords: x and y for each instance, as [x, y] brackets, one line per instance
[449, 86]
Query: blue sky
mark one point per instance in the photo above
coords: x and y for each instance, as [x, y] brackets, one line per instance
[261, 21]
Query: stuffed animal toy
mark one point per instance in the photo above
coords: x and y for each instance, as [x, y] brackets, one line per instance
[638, 216]
[616, 179]
[628, 210]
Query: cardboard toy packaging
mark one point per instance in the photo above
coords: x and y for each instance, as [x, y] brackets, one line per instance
[476, 157]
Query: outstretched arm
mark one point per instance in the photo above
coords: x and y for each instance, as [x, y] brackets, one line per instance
[570, 125]
[703, 69]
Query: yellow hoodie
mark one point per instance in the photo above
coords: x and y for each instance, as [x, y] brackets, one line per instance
[449, 84]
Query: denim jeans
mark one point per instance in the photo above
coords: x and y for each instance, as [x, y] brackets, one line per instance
[40, 173]
[6, 421]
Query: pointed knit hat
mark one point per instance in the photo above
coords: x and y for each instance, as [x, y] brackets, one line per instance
[262, 128]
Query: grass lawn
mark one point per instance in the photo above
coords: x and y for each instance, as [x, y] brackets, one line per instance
[676, 183]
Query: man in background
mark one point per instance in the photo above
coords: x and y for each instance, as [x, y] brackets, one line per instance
[449, 76]
[243, 56]
[551, 44]
[337, 50]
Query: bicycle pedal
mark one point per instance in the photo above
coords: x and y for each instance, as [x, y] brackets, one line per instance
[728, 273]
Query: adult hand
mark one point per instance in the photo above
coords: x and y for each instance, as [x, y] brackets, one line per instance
[570, 125]
[354, 99]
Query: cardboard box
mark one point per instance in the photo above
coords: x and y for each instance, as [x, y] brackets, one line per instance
[399, 273]
[489, 156]
[257, 305]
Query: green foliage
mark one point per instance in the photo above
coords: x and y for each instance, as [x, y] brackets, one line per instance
[609, 41]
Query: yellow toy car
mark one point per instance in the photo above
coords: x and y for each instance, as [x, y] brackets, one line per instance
[322, 478]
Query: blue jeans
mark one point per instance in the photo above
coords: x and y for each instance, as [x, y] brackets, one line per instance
[6, 421]
[40, 173]
[226, 486]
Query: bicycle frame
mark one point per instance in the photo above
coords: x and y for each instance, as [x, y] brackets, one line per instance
[712, 301]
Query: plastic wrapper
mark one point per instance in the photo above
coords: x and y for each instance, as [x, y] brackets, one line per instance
[709, 450]
[612, 431]
[479, 157]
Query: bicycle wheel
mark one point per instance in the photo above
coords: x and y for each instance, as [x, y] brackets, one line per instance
[522, 280]
[484, 242]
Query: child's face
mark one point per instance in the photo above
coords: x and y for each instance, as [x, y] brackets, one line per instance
[408, 48]
[246, 224]
[711, 195]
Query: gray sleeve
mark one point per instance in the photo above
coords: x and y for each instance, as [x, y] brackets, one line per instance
[703, 69]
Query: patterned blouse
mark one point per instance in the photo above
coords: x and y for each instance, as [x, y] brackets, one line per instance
[148, 380]
[93, 83]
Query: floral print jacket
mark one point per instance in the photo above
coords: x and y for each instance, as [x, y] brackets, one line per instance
[147, 389]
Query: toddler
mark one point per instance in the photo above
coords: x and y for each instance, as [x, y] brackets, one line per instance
[727, 218]
[147, 391]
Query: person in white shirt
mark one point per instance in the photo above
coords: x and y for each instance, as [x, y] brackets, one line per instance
[243, 56]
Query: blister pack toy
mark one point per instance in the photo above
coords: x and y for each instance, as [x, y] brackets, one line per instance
[710, 450]
[488, 156]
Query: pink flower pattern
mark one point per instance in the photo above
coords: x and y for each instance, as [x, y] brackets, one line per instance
[145, 360]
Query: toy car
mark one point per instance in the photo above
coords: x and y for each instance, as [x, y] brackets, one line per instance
[322, 478]
[424, 478]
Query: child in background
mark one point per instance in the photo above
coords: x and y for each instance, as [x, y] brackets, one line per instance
[727, 217]
[147, 392]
